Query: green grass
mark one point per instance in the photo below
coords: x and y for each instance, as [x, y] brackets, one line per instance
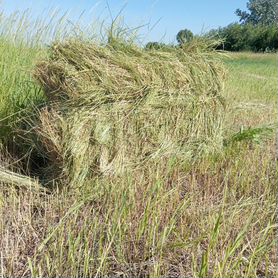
[252, 90]
[17, 88]
[23, 41]
[253, 77]
[216, 218]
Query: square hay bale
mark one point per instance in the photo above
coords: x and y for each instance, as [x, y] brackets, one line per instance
[116, 107]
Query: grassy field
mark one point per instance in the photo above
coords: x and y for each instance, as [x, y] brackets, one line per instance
[252, 89]
[216, 218]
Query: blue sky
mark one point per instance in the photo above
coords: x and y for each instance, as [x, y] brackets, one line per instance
[170, 16]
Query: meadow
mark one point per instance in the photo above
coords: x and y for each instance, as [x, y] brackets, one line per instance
[215, 217]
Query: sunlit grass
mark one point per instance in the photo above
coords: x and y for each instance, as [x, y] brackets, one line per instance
[253, 77]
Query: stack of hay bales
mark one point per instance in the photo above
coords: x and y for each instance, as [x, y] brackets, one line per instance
[115, 107]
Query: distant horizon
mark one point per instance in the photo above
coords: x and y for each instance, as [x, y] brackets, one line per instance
[162, 20]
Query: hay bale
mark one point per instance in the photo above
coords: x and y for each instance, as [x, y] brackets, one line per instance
[115, 107]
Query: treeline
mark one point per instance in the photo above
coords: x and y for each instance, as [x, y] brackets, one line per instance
[247, 37]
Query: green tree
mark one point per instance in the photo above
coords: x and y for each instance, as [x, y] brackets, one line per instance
[156, 45]
[239, 37]
[184, 36]
[263, 12]
[258, 30]
[152, 45]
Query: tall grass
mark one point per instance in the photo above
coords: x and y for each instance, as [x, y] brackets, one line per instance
[23, 41]
[17, 87]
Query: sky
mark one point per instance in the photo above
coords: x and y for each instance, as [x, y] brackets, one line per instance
[162, 18]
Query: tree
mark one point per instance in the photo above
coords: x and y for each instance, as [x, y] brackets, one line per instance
[257, 30]
[184, 36]
[263, 12]
[152, 45]
[155, 45]
[241, 37]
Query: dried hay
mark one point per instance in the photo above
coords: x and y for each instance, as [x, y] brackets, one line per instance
[116, 107]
